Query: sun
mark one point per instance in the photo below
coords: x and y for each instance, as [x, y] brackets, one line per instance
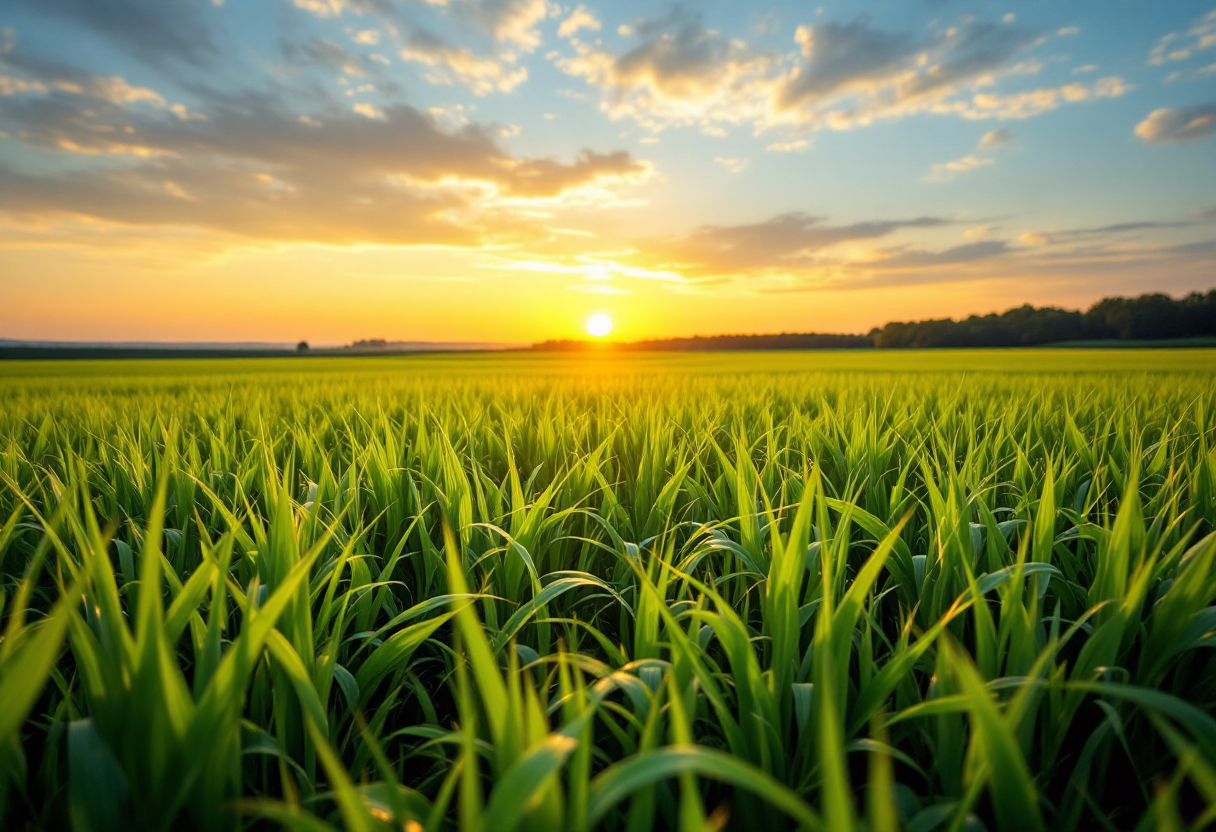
[599, 325]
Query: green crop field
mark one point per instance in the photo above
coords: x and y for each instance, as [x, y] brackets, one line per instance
[836, 590]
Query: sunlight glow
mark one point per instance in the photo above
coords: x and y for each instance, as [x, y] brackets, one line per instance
[599, 325]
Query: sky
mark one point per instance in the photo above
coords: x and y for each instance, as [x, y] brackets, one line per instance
[504, 170]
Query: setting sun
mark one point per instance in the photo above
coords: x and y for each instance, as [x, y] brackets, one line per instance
[599, 325]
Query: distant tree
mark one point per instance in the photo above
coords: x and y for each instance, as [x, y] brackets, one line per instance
[302, 346]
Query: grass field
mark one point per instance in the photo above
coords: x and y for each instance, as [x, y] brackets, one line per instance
[949, 590]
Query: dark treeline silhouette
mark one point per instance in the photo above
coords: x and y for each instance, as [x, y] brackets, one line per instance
[1147, 317]
[784, 341]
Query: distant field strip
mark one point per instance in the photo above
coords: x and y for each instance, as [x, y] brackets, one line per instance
[879, 590]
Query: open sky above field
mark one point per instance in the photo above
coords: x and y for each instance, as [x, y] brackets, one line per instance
[503, 170]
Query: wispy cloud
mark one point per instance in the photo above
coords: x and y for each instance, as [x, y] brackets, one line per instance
[995, 138]
[946, 171]
[787, 243]
[913, 259]
[1181, 46]
[793, 146]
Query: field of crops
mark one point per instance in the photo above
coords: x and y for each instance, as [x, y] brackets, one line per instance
[880, 591]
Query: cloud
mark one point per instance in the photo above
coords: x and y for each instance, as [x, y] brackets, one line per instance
[1022, 105]
[512, 27]
[1178, 46]
[794, 146]
[512, 22]
[995, 138]
[787, 243]
[1188, 124]
[384, 9]
[368, 111]
[158, 32]
[840, 57]
[509, 21]
[844, 75]
[318, 53]
[945, 171]
[55, 86]
[958, 255]
[547, 178]
[876, 74]
[679, 73]
[1125, 227]
[1087, 235]
[449, 64]
[580, 18]
[253, 169]
[321, 8]
[732, 164]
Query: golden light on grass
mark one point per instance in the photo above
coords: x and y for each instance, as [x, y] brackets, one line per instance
[599, 325]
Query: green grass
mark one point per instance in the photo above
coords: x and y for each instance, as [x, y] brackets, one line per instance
[944, 590]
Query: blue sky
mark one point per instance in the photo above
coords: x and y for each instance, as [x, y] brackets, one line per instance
[501, 169]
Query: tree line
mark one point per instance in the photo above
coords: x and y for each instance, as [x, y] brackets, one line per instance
[698, 343]
[1148, 317]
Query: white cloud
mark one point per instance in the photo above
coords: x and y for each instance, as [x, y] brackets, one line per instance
[795, 146]
[945, 171]
[321, 8]
[509, 21]
[1028, 104]
[449, 64]
[369, 110]
[580, 18]
[679, 72]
